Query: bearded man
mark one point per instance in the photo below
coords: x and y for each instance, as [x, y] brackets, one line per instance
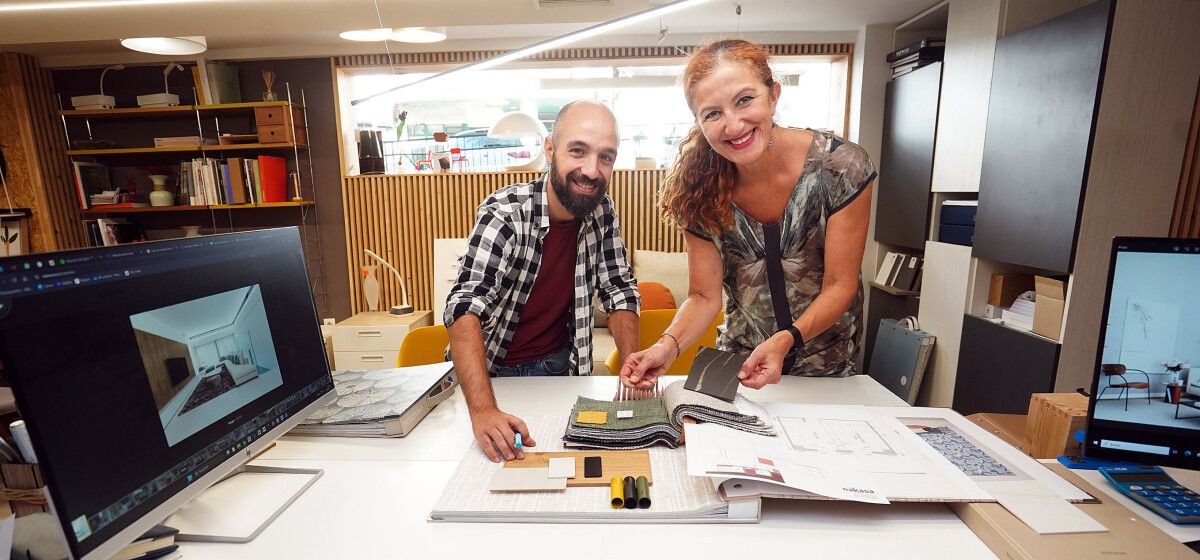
[522, 304]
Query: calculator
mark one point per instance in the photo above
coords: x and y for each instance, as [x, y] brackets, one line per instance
[1155, 489]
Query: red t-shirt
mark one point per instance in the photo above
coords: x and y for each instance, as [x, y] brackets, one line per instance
[542, 327]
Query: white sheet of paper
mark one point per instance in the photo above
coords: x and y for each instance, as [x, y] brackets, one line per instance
[6, 535]
[562, 467]
[1045, 512]
[525, 480]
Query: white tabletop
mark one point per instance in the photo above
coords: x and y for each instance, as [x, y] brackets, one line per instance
[376, 494]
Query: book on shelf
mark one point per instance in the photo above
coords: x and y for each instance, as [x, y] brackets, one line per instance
[223, 81]
[182, 141]
[898, 71]
[90, 179]
[929, 54]
[384, 402]
[886, 268]
[273, 175]
[256, 179]
[915, 47]
[198, 83]
[237, 179]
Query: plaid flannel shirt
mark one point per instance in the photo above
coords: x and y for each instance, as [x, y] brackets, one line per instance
[501, 263]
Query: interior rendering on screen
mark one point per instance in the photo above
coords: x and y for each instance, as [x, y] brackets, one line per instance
[206, 358]
[1152, 340]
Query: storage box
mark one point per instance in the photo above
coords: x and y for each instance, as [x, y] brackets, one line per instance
[1049, 306]
[1129, 535]
[1008, 427]
[1006, 288]
[1052, 421]
[280, 124]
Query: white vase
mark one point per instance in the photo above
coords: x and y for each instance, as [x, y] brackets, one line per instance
[370, 286]
[161, 196]
[191, 231]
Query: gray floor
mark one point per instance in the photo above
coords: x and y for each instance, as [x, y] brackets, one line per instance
[1157, 412]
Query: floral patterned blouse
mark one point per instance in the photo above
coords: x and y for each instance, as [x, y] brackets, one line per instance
[835, 173]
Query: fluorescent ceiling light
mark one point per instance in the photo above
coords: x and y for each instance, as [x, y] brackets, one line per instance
[420, 34]
[171, 46]
[367, 35]
[84, 4]
[548, 44]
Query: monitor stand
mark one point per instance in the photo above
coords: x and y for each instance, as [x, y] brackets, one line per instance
[240, 506]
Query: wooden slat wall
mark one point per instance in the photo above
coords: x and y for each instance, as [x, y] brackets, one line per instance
[47, 189]
[1186, 221]
[399, 216]
[597, 53]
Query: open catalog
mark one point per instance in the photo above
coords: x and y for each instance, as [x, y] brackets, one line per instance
[868, 454]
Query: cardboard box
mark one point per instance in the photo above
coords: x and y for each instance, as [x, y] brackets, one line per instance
[1008, 427]
[1052, 420]
[1049, 306]
[1128, 536]
[1006, 288]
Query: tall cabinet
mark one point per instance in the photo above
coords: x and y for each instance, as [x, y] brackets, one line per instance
[1086, 129]
[1057, 169]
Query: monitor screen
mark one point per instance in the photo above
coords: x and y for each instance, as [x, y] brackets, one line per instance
[1144, 405]
[142, 368]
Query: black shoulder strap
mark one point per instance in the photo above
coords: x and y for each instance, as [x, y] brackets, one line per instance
[775, 281]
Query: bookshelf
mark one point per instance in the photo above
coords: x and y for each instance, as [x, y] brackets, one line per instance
[133, 130]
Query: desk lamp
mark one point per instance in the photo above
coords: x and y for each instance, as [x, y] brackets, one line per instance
[522, 125]
[98, 101]
[404, 308]
[164, 99]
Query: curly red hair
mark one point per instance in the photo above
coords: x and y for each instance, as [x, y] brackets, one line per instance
[698, 190]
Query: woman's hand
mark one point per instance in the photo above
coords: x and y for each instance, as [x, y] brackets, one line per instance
[765, 364]
[642, 369]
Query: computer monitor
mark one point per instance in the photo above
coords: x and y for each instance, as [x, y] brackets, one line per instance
[1151, 323]
[147, 372]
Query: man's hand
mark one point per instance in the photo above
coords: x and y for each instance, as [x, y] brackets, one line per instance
[642, 369]
[494, 432]
[765, 364]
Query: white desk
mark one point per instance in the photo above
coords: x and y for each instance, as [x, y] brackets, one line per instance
[376, 495]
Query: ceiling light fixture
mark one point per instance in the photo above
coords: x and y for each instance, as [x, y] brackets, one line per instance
[170, 46]
[84, 4]
[367, 35]
[548, 44]
[419, 34]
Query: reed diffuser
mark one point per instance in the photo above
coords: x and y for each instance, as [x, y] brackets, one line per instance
[269, 80]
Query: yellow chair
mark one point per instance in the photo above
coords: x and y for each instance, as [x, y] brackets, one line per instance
[653, 323]
[424, 345]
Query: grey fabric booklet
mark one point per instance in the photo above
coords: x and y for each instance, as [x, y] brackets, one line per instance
[659, 419]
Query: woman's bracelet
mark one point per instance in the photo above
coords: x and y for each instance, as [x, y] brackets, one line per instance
[673, 339]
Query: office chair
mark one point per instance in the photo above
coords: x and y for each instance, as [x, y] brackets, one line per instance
[652, 325]
[424, 345]
[1119, 370]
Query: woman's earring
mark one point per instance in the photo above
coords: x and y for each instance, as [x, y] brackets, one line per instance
[710, 157]
[771, 139]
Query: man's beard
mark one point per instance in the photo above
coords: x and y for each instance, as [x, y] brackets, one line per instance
[579, 205]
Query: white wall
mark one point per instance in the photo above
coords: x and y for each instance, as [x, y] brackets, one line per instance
[868, 80]
[149, 323]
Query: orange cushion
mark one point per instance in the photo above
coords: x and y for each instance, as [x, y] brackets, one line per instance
[655, 296]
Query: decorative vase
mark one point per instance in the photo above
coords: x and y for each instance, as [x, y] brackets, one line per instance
[191, 231]
[370, 286]
[161, 196]
[270, 96]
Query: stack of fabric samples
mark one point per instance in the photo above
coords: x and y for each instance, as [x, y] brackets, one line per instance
[641, 423]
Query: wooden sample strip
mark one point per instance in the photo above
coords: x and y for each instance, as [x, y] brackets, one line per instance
[615, 463]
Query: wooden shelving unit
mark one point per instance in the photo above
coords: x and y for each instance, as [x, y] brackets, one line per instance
[103, 211]
[176, 110]
[208, 148]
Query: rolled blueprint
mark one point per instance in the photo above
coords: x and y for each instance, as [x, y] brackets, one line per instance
[618, 493]
[630, 493]
[643, 492]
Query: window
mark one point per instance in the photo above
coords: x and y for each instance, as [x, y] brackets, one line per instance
[646, 98]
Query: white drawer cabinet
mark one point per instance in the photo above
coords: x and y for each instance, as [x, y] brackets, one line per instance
[371, 340]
